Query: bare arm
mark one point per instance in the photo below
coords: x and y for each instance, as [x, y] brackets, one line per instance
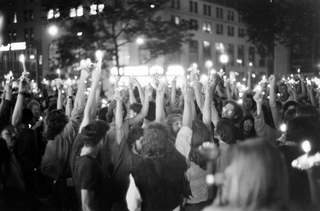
[79, 101]
[197, 92]
[59, 100]
[69, 101]
[85, 200]
[118, 116]
[145, 107]
[89, 111]
[160, 113]
[187, 111]
[272, 101]
[17, 112]
[206, 111]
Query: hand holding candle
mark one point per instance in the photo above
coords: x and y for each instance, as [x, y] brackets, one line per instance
[22, 59]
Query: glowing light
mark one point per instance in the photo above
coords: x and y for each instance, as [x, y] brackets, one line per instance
[204, 79]
[283, 128]
[140, 41]
[79, 34]
[22, 58]
[58, 72]
[253, 75]
[175, 70]
[210, 179]
[250, 64]
[306, 146]
[209, 64]
[224, 58]
[152, 6]
[32, 57]
[240, 101]
[99, 55]
[298, 71]
[53, 30]
[244, 79]
[239, 61]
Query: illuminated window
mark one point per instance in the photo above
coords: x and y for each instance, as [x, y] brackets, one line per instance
[206, 48]
[175, 19]
[80, 11]
[206, 27]
[15, 19]
[57, 13]
[100, 7]
[73, 12]
[93, 9]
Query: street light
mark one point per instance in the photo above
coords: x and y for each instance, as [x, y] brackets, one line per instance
[140, 41]
[224, 58]
[53, 30]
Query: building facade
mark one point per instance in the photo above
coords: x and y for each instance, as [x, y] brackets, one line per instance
[218, 30]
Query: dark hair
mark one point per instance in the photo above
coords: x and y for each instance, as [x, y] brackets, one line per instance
[26, 116]
[94, 132]
[238, 113]
[4, 161]
[103, 114]
[252, 133]
[227, 131]
[134, 134]
[55, 121]
[112, 107]
[288, 104]
[136, 107]
[156, 141]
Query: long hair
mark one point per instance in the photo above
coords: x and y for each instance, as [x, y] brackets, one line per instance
[257, 177]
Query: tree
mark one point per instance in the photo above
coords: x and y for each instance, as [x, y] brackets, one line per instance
[119, 24]
[289, 22]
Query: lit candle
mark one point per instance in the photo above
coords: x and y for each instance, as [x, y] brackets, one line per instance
[59, 73]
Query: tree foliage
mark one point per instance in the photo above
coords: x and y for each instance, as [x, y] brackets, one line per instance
[119, 24]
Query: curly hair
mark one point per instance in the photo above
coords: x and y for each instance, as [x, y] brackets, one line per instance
[55, 121]
[156, 141]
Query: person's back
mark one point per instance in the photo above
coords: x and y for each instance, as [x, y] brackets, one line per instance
[161, 181]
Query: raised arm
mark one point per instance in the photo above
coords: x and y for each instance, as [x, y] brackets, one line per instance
[118, 116]
[17, 112]
[173, 93]
[132, 98]
[160, 113]
[196, 85]
[310, 95]
[69, 101]
[90, 109]
[79, 101]
[5, 112]
[206, 111]
[138, 85]
[187, 111]
[272, 101]
[145, 107]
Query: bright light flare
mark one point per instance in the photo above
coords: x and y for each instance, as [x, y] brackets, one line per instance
[209, 64]
[224, 58]
[99, 55]
[283, 128]
[53, 30]
[22, 58]
[140, 41]
[306, 146]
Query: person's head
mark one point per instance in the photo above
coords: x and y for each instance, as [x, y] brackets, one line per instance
[93, 133]
[136, 108]
[290, 110]
[226, 131]
[34, 106]
[155, 141]
[232, 111]
[247, 127]
[135, 139]
[283, 90]
[304, 128]
[102, 115]
[54, 123]
[174, 121]
[248, 102]
[7, 134]
[256, 177]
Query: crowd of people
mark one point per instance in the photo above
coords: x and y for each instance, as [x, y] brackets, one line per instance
[205, 145]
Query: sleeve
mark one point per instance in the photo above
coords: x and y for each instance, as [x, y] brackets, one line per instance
[5, 113]
[89, 175]
[183, 141]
